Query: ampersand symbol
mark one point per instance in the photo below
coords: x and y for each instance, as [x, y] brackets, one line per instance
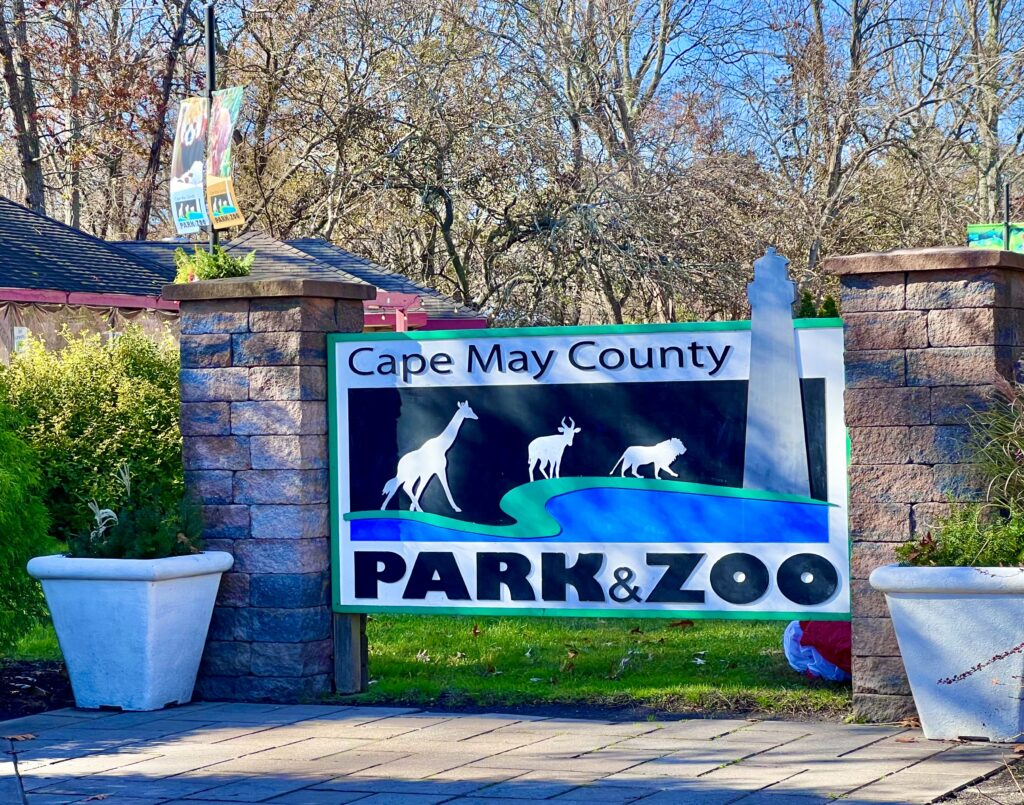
[621, 591]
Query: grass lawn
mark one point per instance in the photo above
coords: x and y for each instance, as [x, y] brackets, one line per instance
[38, 643]
[655, 665]
[700, 667]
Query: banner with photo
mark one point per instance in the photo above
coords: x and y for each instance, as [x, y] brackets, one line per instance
[220, 187]
[188, 200]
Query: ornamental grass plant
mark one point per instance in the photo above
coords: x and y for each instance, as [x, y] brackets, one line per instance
[144, 527]
[988, 533]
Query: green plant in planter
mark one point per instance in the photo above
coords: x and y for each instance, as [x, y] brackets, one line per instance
[143, 527]
[211, 265]
[989, 534]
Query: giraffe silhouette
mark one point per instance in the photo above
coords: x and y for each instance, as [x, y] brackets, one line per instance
[417, 468]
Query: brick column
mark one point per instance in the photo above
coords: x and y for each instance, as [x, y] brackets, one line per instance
[254, 433]
[927, 333]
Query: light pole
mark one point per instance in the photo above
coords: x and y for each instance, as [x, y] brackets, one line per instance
[211, 83]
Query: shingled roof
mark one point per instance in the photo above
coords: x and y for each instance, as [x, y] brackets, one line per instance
[434, 303]
[274, 259]
[308, 257]
[39, 253]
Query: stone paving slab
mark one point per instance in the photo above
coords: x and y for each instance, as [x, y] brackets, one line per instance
[210, 753]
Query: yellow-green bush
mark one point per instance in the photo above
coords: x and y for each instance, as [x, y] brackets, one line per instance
[92, 406]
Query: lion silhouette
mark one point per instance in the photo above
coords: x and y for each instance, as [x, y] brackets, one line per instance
[661, 455]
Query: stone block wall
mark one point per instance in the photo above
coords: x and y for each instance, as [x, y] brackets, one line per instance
[254, 437]
[928, 332]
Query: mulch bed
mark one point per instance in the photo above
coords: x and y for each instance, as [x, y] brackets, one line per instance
[28, 687]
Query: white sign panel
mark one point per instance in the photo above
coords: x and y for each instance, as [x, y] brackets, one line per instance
[634, 471]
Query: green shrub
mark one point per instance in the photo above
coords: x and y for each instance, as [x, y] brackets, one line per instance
[145, 527]
[89, 408]
[23, 531]
[806, 309]
[210, 265]
[829, 308]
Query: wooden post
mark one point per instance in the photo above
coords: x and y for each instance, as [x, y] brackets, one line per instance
[351, 674]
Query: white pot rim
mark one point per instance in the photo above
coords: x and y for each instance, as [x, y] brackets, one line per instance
[60, 566]
[946, 580]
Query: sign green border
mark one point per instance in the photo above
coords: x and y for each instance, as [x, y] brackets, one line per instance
[510, 332]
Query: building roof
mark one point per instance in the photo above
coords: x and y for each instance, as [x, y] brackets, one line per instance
[308, 257]
[274, 258]
[40, 253]
[434, 303]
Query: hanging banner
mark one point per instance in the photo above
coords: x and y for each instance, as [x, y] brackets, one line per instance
[188, 200]
[220, 187]
[685, 470]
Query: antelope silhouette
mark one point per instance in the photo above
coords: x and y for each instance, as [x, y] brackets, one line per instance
[417, 468]
[545, 452]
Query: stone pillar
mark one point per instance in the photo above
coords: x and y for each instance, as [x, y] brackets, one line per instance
[928, 331]
[254, 434]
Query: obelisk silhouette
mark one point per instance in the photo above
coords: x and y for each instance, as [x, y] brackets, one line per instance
[775, 459]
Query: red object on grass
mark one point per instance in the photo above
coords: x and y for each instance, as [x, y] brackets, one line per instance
[831, 639]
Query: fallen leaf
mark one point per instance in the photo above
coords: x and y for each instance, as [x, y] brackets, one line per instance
[686, 624]
[913, 723]
[476, 630]
[572, 653]
[906, 740]
[1018, 749]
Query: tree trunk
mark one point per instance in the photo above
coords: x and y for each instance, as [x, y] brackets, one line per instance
[22, 97]
[73, 212]
[148, 184]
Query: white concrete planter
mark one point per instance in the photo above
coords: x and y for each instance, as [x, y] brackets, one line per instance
[132, 630]
[961, 634]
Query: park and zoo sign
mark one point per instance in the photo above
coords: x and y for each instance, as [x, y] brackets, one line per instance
[693, 470]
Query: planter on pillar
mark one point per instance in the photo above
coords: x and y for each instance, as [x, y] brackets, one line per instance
[254, 434]
[928, 331]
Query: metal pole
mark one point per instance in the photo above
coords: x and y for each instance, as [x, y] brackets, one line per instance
[1006, 216]
[211, 84]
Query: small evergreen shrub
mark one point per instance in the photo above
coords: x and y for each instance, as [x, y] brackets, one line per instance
[142, 528]
[23, 531]
[92, 406]
[809, 309]
[990, 534]
[210, 265]
[829, 308]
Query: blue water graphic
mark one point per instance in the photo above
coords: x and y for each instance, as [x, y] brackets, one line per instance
[633, 515]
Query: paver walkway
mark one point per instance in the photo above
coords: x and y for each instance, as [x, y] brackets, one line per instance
[324, 755]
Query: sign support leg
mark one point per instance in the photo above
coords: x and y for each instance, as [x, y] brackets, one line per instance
[350, 654]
